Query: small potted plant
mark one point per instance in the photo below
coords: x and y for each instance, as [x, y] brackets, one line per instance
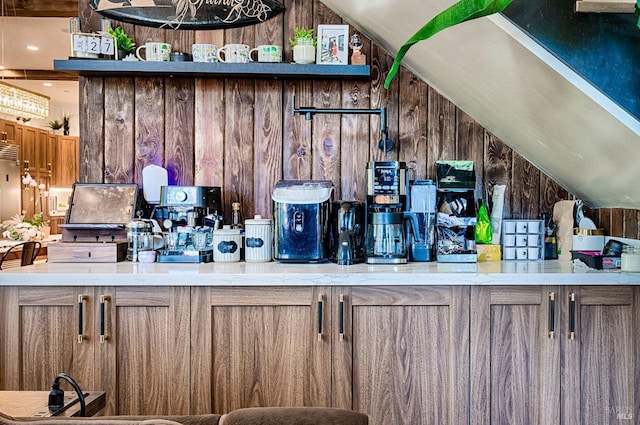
[55, 125]
[65, 124]
[303, 44]
[124, 43]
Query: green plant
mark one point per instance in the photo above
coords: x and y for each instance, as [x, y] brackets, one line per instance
[65, 124]
[463, 10]
[304, 34]
[123, 41]
[55, 125]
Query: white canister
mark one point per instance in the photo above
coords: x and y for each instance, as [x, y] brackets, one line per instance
[258, 240]
[226, 244]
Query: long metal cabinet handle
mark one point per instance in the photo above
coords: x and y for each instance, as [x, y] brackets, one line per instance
[320, 305]
[552, 314]
[341, 318]
[81, 300]
[103, 300]
[572, 315]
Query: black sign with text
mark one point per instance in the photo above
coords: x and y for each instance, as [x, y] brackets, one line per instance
[189, 14]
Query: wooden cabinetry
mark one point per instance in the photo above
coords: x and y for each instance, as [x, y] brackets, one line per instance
[600, 363]
[260, 347]
[521, 373]
[55, 222]
[404, 357]
[515, 364]
[142, 364]
[65, 160]
[12, 128]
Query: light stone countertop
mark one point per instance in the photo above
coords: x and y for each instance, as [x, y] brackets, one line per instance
[325, 274]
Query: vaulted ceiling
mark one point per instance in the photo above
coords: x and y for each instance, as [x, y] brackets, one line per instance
[520, 92]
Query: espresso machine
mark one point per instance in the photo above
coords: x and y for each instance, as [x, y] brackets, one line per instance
[386, 213]
[181, 211]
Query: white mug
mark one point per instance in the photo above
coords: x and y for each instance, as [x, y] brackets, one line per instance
[204, 52]
[235, 53]
[155, 52]
[268, 53]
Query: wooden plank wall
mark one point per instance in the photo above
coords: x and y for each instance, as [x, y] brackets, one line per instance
[239, 134]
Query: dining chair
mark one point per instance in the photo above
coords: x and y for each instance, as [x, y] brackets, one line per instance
[30, 250]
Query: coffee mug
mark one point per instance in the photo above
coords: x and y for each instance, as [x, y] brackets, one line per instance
[268, 53]
[234, 53]
[155, 52]
[204, 52]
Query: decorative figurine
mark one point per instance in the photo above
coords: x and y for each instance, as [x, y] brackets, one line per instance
[357, 58]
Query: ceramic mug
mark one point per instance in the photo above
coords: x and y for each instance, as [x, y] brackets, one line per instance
[268, 53]
[235, 53]
[204, 52]
[155, 52]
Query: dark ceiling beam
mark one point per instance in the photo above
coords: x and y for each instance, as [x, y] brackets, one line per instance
[37, 74]
[41, 8]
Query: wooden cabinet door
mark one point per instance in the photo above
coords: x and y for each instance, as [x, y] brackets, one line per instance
[601, 359]
[41, 328]
[10, 127]
[515, 363]
[265, 346]
[65, 161]
[143, 360]
[403, 354]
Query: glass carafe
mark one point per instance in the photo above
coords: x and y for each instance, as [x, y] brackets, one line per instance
[386, 235]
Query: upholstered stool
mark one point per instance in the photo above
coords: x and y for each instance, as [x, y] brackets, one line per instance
[293, 416]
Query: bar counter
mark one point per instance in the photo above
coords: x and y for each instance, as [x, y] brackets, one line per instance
[325, 274]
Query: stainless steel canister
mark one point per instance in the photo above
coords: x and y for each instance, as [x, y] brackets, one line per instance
[258, 240]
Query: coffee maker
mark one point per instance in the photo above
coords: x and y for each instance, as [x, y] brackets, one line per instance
[181, 211]
[345, 239]
[386, 213]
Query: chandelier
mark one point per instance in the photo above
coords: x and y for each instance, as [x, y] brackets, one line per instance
[22, 103]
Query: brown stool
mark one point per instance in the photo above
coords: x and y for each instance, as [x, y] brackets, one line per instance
[293, 416]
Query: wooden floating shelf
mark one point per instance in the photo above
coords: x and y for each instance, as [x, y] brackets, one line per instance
[89, 67]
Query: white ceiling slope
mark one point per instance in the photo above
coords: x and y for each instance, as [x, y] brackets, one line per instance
[520, 93]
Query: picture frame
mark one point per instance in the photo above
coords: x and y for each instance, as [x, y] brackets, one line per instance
[333, 45]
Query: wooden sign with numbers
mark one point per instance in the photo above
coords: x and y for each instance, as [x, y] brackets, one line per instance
[85, 45]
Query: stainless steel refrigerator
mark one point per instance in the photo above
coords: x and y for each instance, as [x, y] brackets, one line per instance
[10, 198]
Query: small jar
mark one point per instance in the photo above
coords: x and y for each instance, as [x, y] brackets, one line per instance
[630, 259]
[258, 240]
[226, 244]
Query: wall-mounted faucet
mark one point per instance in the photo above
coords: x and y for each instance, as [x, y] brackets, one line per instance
[385, 144]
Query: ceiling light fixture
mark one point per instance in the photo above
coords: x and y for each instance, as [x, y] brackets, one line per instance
[15, 100]
[22, 103]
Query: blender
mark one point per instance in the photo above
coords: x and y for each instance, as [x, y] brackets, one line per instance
[422, 203]
[386, 214]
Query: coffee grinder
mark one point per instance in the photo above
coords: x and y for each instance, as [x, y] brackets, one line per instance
[386, 213]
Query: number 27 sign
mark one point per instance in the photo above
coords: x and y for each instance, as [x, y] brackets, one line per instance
[91, 45]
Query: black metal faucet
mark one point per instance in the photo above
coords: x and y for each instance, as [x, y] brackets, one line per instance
[385, 144]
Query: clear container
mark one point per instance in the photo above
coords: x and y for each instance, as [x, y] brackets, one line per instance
[630, 259]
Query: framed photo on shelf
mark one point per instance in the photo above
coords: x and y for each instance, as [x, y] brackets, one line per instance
[333, 45]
